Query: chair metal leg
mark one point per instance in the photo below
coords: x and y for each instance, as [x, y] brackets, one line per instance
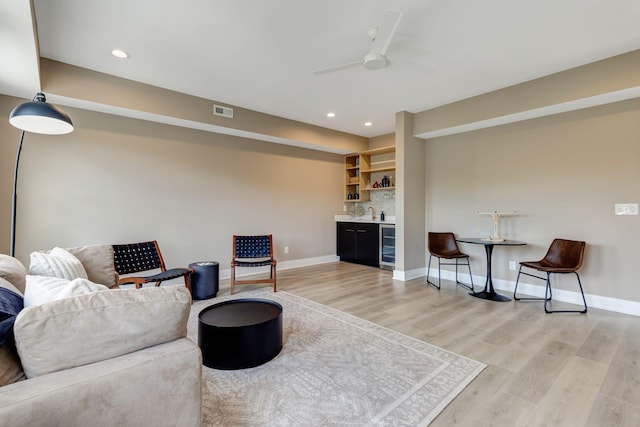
[566, 311]
[515, 297]
[458, 282]
[464, 285]
[429, 269]
[470, 275]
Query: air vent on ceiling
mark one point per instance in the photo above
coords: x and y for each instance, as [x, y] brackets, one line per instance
[219, 110]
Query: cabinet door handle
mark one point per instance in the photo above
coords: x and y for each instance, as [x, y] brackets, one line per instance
[361, 231]
[349, 229]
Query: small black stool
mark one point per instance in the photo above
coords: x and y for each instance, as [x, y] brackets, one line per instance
[204, 280]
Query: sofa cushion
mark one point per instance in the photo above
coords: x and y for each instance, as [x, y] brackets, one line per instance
[98, 263]
[12, 270]
[43, 289]
[10, 367]
[10, 304]
[57, 263]
[84, 329]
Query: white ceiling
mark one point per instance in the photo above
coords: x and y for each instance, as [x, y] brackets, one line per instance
[260, 55]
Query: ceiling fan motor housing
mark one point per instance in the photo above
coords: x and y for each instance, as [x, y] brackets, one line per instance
[374, 61]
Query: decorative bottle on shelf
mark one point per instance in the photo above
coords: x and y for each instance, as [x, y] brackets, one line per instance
[385, 181]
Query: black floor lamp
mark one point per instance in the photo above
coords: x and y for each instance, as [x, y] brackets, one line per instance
[38, 117]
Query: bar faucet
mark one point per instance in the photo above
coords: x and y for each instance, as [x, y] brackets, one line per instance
[373, 213]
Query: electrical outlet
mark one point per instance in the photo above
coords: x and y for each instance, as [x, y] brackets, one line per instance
[512, 265]
[286, 250]
[344, 208]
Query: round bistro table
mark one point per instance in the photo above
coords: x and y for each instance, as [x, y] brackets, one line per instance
[240, 333]
[488, 292]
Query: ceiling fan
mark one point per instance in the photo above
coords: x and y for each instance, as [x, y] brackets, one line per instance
[381, 37]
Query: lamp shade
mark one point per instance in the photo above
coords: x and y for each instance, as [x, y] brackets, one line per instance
[38, 116]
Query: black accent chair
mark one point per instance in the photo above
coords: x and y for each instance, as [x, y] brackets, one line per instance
[444, 246]
[145, 256]
[563, 257]
[253, 251]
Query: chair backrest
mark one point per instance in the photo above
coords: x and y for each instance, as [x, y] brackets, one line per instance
[441, 243]
[565, 254]
[253, 246]
[136, 257]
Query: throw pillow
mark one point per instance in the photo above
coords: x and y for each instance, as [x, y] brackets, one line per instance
[12, 270]
[43, 289]
[98, 326]
[98, 263]
[10, 304]
[58, 263]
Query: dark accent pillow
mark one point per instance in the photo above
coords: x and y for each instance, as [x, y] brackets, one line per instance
[10, 305]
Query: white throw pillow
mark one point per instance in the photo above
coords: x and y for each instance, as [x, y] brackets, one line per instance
[43, 289]
[57, 263]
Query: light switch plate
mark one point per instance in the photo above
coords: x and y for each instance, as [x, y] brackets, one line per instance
[626, 208]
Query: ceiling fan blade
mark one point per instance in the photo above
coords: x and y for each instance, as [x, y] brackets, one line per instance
[386, 31]
[338, 68]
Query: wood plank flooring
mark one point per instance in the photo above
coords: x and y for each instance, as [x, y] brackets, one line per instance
[543, 369]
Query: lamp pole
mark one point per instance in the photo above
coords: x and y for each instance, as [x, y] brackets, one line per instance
[14, 201]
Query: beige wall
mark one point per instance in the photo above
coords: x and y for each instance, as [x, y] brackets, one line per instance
[562, 174]
[118, 180]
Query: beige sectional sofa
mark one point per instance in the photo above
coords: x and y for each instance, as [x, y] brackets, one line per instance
[118, 357]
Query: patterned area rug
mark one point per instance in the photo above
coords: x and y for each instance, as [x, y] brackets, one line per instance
[334, 369]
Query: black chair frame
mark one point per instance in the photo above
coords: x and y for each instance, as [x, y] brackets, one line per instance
[464, 285]
[547, 292]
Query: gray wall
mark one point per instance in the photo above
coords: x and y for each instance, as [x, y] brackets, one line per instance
[118, 180]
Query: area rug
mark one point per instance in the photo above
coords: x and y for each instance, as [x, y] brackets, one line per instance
[334, 370]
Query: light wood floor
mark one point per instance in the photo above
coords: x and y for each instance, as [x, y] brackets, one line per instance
[543, 369]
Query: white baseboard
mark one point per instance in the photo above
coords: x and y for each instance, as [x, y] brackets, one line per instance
[282, 265]
[408, 275]
[573, 297]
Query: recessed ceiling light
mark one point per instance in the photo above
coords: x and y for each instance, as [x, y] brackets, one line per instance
[368, 124]
[119, 53]
[331, 115]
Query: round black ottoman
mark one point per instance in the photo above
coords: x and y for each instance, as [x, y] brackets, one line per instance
[240, 333]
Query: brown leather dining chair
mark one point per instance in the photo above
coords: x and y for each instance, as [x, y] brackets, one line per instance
[563, 257]
[444, 246]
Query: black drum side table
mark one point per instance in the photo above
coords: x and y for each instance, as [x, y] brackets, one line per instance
[204, 280]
